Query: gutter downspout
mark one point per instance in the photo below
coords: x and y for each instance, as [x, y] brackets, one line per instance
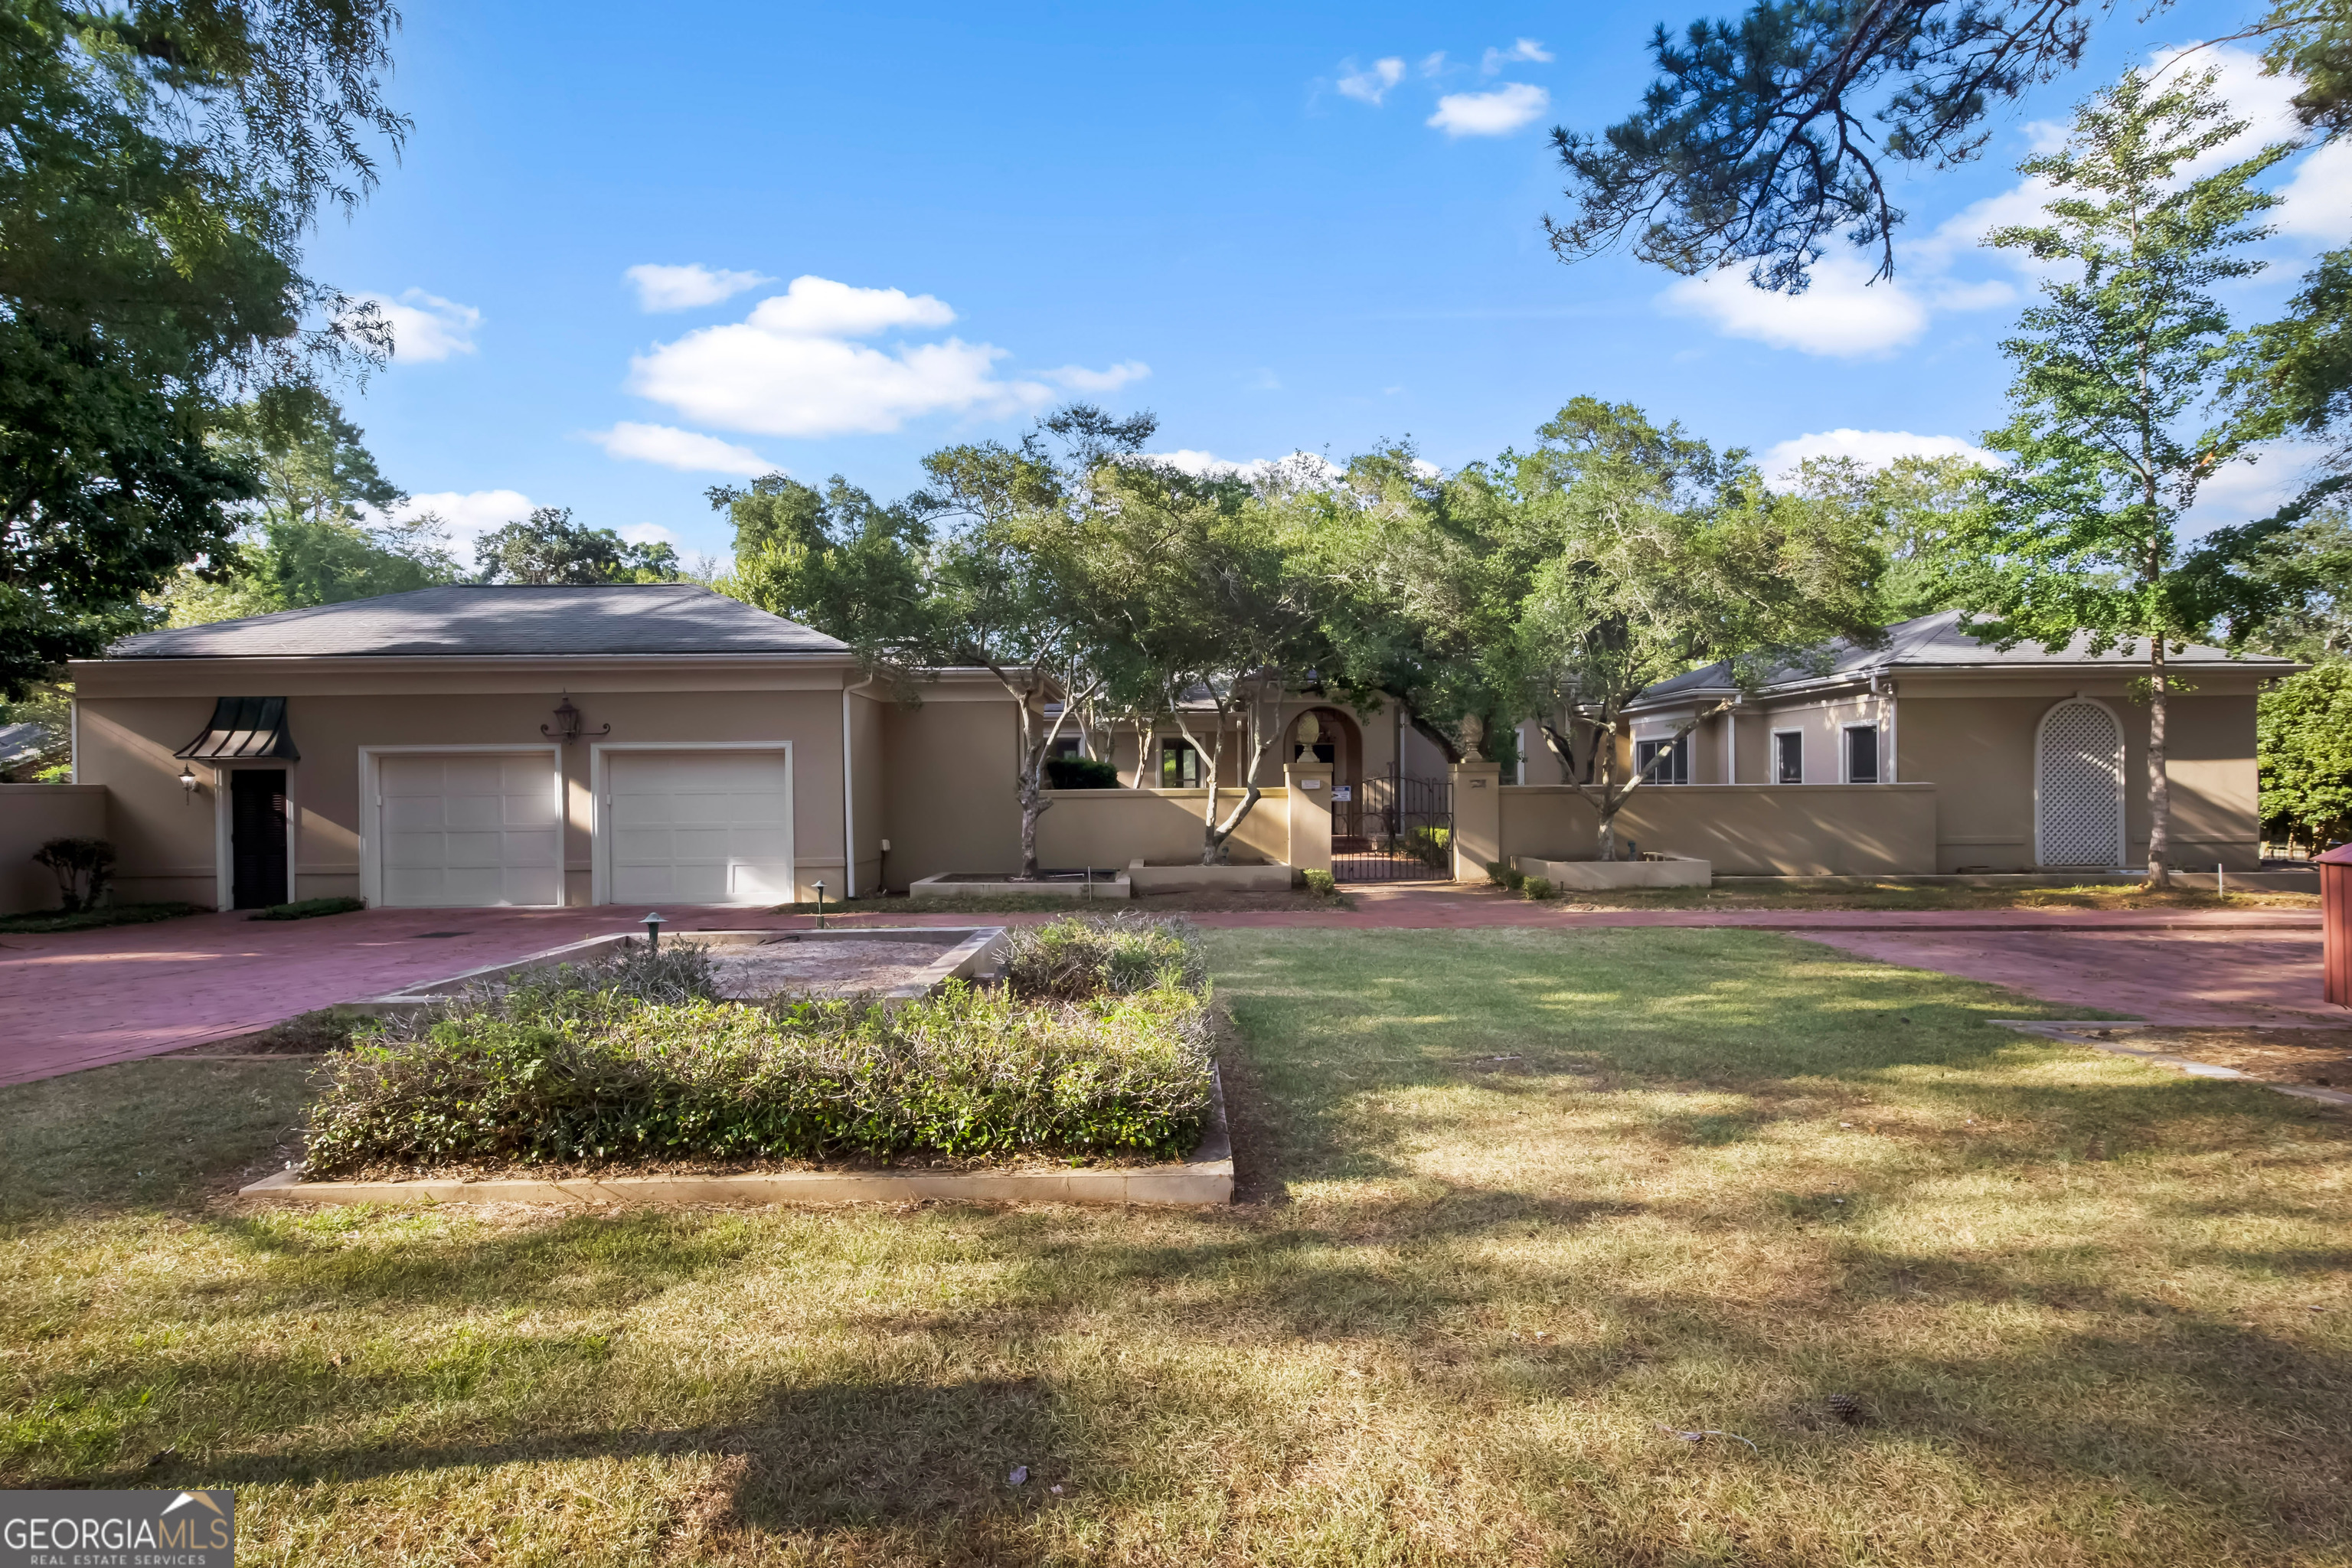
[849, 797]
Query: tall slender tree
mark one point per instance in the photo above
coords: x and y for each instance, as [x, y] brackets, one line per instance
[2114, 428]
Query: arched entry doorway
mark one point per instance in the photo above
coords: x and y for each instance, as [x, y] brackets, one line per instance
[2078, 786]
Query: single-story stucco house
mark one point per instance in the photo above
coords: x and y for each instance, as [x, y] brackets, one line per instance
[662, 743]
[532, 746]
[2038, 760]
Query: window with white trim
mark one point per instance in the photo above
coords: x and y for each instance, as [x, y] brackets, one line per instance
[1862, 754]
[1662, 762]
[1788, 756]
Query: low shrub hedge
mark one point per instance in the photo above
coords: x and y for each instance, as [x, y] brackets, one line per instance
[636, 1060]
[308, 910]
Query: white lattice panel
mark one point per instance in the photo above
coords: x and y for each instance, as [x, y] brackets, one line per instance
[2080, 798]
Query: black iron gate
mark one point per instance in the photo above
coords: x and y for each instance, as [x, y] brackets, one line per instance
[1393, 830]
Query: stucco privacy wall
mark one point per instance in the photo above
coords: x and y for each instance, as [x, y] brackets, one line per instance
[30, 815]
[1109, 827]
[948, 768]
[1978, 741]
[168, 838]
[1783, 830]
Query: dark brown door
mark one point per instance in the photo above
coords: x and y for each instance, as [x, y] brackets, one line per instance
[257, 837]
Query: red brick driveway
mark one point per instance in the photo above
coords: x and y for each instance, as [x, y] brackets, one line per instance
[85, 998]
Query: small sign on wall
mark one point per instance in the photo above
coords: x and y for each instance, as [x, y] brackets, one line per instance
[1311, 784]
[1343, 791]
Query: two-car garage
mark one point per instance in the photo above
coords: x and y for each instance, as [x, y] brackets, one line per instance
[673, 823]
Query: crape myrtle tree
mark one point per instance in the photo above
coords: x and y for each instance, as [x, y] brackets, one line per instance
[165, 162]
[1195, 594]
[2115, 428]
[1652, 555]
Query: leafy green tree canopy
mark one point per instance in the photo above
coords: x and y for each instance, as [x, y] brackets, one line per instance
[164, 161]
[550, 548]
[2112, 432]
[2302, 740]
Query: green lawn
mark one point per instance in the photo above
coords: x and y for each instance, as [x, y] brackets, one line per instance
[1515, 1199]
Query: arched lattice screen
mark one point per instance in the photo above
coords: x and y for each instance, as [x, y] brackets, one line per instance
[2080, 794]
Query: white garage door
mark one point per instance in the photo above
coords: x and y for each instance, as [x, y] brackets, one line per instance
[469, 828]
[698, 827]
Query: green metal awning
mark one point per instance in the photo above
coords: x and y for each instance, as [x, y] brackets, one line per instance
[244, 728]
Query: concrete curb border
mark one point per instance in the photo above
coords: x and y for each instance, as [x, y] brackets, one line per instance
[1205, 1178]
[2078, 1032]
[964, 959]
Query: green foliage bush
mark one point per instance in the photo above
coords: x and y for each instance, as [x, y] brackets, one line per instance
[634, 1060]
[1433, 846]
[43, 922]
[1536, 887]
[84, 869]
[1505, 875]
[1320, 883]
[2303, 743]
[1080, 956]
[1080, 773]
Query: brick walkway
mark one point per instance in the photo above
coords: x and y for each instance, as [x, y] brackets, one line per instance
[86, 998]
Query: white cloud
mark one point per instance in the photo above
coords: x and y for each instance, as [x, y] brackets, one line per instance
[648, 534]
[1523, 50]
[1496, 113]
[468, 514]
[1842, 316]
[685, 450]
[791, 367]
[1299, 467]
[820, 308]
[683, 287]
[1079, 378]
[2318, 202]
[1872, 448]
[1371, 86]
[1433, 65]
[427, 327]
[2244, 492]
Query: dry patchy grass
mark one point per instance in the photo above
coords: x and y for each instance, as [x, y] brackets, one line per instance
[1517, 1198]
[1943, 896]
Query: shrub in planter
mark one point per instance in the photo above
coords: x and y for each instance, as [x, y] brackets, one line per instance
[1504, 875]
[1536, 887]
[1094, 955]
[1320, 883]
[570, 1072]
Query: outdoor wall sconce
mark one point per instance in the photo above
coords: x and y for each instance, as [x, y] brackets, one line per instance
[567, 724]
[188, 782]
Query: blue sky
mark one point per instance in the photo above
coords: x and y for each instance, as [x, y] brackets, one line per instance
[1279, 229]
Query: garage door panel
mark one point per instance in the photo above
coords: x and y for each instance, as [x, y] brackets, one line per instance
[698, 827]
[468, 829]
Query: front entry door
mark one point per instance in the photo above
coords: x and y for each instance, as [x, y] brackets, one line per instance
[257, 837]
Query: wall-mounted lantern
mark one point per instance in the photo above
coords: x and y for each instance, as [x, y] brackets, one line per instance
[566, 728]
[188, 781]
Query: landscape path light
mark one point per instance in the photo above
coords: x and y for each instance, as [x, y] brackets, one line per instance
[653, 924]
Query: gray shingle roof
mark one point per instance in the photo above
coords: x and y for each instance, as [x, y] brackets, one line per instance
[651, 618]
[1935, 641]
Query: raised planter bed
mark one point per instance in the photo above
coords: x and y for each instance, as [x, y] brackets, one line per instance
[1207, 1177]
[1221, 878]
[1069, 885]
[958, 953]
[1608, 875]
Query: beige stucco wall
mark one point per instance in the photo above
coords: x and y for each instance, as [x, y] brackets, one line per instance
[1109, 827]
[950, 767]
[1978, 741]
[30, 815]
[1792, 830]
[869, 798]
[133, 714]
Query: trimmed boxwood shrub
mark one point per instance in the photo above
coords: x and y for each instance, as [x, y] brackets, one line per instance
[636, 1061]
[1080, 773]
